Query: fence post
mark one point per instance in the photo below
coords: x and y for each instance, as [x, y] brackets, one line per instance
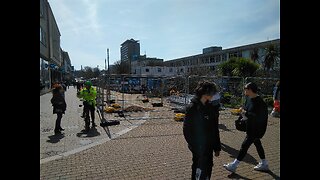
[186, 89]
[162, 88]
[122, 87]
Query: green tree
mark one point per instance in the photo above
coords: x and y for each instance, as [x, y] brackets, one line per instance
[238, 67]
[87, 72]
[254, 54]
[201, 71]
[96, 72]
[271, 56]
[226, 68]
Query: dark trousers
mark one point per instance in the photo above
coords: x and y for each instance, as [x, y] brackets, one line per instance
[202, 165]
[58, 122]
[88, 108]
[247, 143]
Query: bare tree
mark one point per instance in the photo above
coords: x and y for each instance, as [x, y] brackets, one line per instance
[121, 67]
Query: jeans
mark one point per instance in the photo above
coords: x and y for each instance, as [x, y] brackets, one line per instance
[202, 165]
[58, 122]
[247, 143]
[87, 107]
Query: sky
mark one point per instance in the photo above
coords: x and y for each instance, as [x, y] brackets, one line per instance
[166, 29]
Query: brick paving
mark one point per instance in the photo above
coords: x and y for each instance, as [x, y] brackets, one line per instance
[157, 150]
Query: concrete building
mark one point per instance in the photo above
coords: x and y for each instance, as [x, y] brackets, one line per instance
[66, 67]
[50, 53]
[55, 64]
[144, 61]
[130, 51]
[156, 71]
[213, 56]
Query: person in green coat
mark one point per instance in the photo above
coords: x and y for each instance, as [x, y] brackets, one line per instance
[88, 94]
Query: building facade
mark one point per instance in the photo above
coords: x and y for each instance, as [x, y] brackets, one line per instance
[44, 45]
[156, 71]
[130, 51]
[66, 68]
[143, 61]
[213, 56]
[51, 58]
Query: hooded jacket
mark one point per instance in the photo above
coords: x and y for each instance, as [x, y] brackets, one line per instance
[257, 113]
[200, 127]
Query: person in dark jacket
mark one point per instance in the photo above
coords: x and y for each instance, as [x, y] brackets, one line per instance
[200, 129]
[59, 106]
[256, 111]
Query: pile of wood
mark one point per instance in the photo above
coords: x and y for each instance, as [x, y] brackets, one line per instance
[136, 109]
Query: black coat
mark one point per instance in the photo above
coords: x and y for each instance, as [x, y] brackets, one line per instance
[257, 113]
[58, 102]
[200, 127]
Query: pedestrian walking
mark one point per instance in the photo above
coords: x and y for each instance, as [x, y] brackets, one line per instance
[200, 129]
[59, 106]
[256, 111]
[78, 83]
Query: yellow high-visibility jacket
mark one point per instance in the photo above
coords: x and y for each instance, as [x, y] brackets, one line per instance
[89, 95]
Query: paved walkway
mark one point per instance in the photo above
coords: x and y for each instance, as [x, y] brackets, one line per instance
[73, 140]
[157, 150]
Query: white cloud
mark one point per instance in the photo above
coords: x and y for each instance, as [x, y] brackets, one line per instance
[167, 29]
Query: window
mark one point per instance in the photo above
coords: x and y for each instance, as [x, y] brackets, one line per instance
[170, 70]
[42, 36]
[159, 69]
[41, 9]
[224, 57]
[211, 59]
[217, 58]
[147, 70]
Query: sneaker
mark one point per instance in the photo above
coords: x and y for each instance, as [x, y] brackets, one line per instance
[230, 167]
[261, 167]
[61, 129]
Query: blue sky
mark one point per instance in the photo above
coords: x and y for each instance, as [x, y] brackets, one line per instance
[167, 29]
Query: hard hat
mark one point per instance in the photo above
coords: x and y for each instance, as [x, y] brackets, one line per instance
[88, 83]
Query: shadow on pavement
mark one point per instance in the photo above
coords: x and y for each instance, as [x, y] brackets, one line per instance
[224, 127]
[92, 133]
[150, 136]
[55, 138]
[234, 153]
[236, 176]
[107, 130]
[272, 174]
